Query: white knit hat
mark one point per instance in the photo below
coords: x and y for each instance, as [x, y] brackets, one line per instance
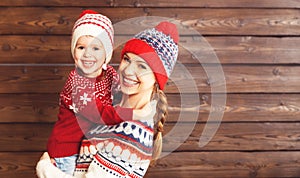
[96, 25]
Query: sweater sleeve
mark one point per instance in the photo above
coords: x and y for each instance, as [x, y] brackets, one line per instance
[96, 112]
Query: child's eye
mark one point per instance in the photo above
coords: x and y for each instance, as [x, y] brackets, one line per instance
[96, 48]
[80, 47]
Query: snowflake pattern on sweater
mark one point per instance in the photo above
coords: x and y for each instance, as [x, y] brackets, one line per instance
[77, 94]
[88, 89]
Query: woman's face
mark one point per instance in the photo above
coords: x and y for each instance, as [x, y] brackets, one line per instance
[135, 75]
[89, 56]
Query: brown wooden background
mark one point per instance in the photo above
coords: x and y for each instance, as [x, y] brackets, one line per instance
[257, 42]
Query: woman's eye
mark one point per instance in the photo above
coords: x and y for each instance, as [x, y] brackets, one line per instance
[142, 66]
[96, 49]
[126, 59]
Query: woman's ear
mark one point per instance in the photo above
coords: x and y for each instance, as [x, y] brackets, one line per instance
[155, 91]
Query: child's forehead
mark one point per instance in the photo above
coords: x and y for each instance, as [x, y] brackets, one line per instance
[89, 39]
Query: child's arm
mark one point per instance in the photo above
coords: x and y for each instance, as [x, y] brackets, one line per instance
[109, 115]
[96, 112]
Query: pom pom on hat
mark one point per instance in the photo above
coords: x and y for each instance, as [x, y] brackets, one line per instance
[97, 25]
[158, 47]
[168, 29]
[88, 11]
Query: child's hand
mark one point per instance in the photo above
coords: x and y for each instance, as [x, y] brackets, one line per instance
[147, 112]
[46, 156]
[53, 161]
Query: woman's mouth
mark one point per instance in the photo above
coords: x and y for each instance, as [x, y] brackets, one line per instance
[129, 82]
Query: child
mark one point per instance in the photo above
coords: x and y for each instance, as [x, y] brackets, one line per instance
[91, 48]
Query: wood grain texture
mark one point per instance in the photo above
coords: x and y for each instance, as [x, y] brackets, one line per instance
[26, 137]
[227, 164]
[184, 164]
[157, 3]
[232, 137]
[18, 164]
[39, 20]
[238, 108]
[193, 49]
[59, 3]
[178, 137]
[43, 108]
[184, 79]
[219, 4]
[28, 108]
[257, 43]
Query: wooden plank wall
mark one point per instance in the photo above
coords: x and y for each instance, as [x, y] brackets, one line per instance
[256, 41]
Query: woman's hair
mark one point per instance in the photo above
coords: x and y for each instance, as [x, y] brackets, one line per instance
[159, 119]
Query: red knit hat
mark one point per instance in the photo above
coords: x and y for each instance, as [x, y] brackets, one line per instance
[97, 25]
[158, 47]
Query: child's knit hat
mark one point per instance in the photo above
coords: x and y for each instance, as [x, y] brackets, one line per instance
[158, 47]
[96, 25]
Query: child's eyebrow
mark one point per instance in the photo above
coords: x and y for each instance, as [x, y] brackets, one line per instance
[78, 44]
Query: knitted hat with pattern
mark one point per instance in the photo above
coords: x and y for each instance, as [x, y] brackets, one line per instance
[158, 47]
[96, 25]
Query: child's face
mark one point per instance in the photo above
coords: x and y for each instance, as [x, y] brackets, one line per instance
[89, 56]
[136, 76]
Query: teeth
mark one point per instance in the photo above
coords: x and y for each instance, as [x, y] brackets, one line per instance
[88, 63]
[130, 81]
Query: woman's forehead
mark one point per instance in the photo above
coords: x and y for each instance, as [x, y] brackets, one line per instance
[135, 58]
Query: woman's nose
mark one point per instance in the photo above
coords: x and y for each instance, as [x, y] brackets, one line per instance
[129, 69]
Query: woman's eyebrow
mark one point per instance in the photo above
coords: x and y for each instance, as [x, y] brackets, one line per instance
[141, 61]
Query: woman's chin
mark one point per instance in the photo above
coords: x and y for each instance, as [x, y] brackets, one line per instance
[128, 90]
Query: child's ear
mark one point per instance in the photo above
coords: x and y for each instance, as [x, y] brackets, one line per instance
[109, 57]
[104, 66]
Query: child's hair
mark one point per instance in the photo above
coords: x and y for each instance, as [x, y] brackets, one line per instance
[160, 119]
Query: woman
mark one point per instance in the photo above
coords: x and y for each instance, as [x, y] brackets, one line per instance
[126, 149]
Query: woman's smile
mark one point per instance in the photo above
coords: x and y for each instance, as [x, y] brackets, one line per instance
[129, 82]
[136, 75]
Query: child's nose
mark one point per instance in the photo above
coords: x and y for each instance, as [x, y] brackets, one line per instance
[87, 53]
